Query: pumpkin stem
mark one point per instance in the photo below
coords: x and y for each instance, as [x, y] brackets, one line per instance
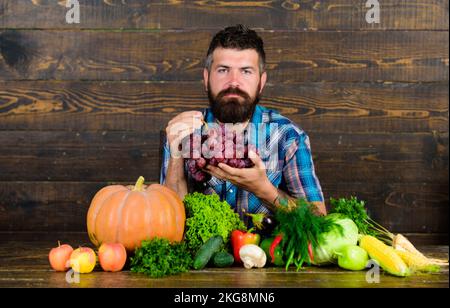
[139, 183]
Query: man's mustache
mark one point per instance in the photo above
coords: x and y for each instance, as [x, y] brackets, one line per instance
[233, 90]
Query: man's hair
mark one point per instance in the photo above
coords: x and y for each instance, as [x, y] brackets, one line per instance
[237, 37]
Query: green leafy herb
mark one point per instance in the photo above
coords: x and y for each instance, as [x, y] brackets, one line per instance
[158, 257]
[356, 211]
[208, 216]
[300, 229]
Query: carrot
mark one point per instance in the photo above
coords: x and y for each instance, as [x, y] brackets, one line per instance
[401, 243]
[416, 262]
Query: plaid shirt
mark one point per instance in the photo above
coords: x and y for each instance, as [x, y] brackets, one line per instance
[291, 171]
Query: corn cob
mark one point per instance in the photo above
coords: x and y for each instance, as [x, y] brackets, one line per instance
[384, 255]
[416, 262]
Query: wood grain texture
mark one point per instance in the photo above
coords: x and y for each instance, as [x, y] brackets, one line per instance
[79, 156]
[25, 264]
[83, 105]
[121, 155]
[82, 238]
[400, 207]
[383, 159]
[386, 143]
[62, 206]
[274, 14]
[42, 277]
[148, 106]
[292, 56]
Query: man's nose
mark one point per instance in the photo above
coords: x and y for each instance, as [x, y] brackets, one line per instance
[233, 80]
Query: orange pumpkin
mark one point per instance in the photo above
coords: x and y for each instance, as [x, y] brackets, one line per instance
[129, 215]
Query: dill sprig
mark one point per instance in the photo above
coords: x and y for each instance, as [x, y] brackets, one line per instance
[300, 229]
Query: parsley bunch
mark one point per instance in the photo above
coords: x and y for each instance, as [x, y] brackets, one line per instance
[356, 211]
[158, 257]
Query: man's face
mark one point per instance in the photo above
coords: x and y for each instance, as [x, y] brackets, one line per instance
[234, 84]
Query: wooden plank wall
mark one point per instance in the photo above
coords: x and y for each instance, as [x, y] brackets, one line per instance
[82, 105]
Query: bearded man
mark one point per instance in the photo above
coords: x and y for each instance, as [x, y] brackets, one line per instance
[234, 78]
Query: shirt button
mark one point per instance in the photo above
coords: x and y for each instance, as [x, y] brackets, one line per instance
[231, 191]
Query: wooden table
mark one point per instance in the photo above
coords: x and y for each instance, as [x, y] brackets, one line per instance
[24, 263]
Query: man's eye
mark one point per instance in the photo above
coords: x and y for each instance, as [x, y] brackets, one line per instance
[247, 72]
[222, 70]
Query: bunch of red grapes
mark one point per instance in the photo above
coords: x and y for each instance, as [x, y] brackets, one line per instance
[214, 145]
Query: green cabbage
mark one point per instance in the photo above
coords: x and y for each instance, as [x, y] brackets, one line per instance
[334, 240]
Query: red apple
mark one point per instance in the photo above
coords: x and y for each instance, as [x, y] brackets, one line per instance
[59, 257]
[112, 256]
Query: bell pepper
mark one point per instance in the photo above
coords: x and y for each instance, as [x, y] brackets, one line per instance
[272, 248]
[240, 238]
[310, 252]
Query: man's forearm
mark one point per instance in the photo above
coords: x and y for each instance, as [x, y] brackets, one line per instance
[276, 198]
[273, 198]
[175, 178]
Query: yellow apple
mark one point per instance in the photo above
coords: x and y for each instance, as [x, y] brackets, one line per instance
[83, 260]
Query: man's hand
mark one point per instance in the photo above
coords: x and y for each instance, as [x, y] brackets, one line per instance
[178, 128]
[181, 126]
[252, 179]
[255, 181]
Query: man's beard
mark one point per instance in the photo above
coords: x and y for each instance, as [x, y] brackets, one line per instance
[231, 110]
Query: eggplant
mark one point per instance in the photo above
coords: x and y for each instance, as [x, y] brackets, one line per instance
[264, 224]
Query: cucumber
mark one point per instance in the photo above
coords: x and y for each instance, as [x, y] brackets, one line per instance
[207, 250]
[223, 259]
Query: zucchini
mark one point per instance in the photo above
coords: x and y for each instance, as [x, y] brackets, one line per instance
[207, 250]
[223, 259]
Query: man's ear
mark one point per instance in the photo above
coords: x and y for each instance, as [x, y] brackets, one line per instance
[263, 81]
[205, 78]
